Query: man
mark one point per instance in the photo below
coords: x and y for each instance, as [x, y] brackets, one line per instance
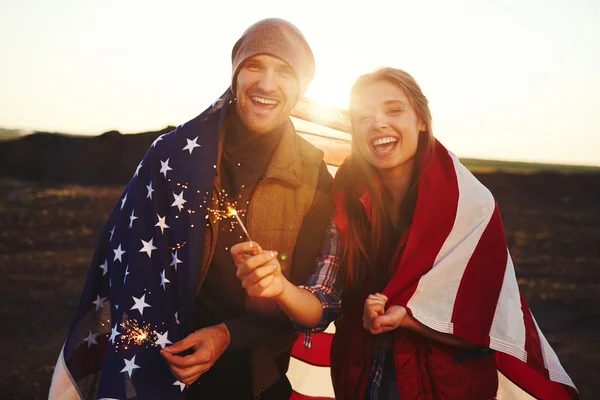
[163, 314]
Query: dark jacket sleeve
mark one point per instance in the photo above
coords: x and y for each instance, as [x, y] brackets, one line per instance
[251, 330]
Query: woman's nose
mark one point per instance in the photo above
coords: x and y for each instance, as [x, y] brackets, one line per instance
[380, 122]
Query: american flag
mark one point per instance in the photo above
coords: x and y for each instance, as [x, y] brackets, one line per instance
[456, 276]
[140, 289]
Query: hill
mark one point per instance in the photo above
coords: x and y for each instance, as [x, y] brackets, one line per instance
[111, 158]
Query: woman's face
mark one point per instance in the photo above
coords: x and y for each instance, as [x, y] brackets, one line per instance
[386, 126]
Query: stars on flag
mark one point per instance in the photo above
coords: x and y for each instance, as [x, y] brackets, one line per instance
[99, 302]
[140, 304]
[162, 339]
[114, 333]
[129, 366]
[132, 218]
[180, 384]
[91, 339]
[164, 167]
[150, 191]
[126, 273]
[158, 324]
[137, 170]
[174, 261]
[104, 267]
[158, 139]
[119, 253]
[162, 223]
[179, 200]
[191, 144]
[148, 247]
[164, 280]
[123, 201]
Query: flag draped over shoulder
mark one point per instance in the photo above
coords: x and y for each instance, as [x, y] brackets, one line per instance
[456, 276]
[309, 371]
[144, 272]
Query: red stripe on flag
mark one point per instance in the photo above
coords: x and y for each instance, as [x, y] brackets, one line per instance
[318, 354]
[533, 346]
[435, 213]
[531, 381]
[481, 284]
[85, 361]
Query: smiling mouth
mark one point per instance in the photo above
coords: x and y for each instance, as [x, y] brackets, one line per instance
[384, 145]
[263, 103]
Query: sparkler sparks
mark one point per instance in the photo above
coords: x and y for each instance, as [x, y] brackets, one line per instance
[233, 212]
[138, 334]
[227, 210]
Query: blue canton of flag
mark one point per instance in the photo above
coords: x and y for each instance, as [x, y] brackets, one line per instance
[139, 293]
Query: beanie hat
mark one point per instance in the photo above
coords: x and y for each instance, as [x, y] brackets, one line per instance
[278, 38]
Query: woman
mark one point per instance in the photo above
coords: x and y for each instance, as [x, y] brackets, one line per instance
[415, 269]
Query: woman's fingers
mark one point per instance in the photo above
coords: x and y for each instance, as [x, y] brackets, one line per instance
[381, 296]
[260, 259]
[249, 265]
[242, 251]
[257, 289]
[377, 297]
[261, 272]
[374, 306]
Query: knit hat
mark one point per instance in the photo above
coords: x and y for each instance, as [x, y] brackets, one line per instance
[278, 38]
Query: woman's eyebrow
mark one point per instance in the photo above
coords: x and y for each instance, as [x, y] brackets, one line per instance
[395, 101]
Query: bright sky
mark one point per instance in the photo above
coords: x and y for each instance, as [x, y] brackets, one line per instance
[514, 80]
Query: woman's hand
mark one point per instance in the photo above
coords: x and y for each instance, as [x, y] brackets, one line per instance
[258, 270]
[376, 319]
[261, 276]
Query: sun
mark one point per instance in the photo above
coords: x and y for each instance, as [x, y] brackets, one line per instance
[330, 88]
[326, 100]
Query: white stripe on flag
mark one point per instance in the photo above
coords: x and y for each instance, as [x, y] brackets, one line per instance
[507, 390]
[507, 333]
[475, 209]
[555, 370]
[62, 387]
[310, 380]
[330, 328]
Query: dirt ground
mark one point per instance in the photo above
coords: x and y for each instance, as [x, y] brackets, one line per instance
[48, 233]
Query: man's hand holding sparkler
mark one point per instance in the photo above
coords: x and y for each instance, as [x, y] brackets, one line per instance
[207, 345]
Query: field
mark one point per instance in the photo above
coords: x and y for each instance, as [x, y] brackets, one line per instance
[48, 233]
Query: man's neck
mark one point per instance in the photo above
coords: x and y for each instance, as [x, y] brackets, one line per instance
[240, 127]
[239, 136]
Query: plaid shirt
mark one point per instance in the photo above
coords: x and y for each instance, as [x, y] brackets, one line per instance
[324, 285]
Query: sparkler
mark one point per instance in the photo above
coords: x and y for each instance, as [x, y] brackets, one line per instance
[233, 212]
[138, 334]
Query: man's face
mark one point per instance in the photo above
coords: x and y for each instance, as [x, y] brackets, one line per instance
[266, 90]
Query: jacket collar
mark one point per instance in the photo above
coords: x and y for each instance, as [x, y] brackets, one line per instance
[286, 163]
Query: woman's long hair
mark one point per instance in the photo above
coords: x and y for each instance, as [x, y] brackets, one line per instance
[367, 242]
